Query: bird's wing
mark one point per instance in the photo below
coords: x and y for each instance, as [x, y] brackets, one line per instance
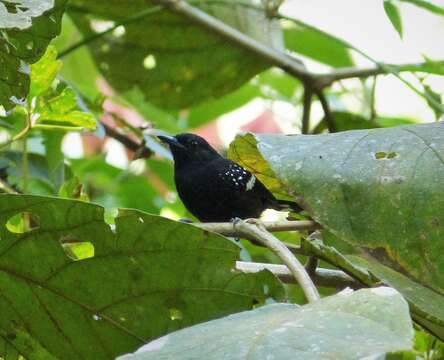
[238, 178]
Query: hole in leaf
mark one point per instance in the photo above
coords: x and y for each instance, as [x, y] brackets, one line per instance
[383, 155]
[392, 155]
[175, 314]
[76, 249]
[119, 31]
[149, 62]
[380, 155]
[23, 222]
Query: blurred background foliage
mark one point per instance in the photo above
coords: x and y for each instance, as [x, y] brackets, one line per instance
[119, 72]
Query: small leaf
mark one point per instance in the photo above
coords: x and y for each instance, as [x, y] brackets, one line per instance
[44, 72]
[60, 106]
[350, 325]
[437, 97]
[394, 16]
[427, 5]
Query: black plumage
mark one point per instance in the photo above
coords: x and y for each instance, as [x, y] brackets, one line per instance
[215, 189]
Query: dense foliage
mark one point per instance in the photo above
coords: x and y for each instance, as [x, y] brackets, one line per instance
[93, 262]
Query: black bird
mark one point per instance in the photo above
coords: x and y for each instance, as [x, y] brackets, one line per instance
[215, 189]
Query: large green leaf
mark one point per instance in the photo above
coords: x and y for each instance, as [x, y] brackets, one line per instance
[173, 62]
[350, 325]
[426, 305]
[379, 189]
[26, 28]
[145, 277]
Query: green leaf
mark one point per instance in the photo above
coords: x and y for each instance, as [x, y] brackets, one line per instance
[174, 62]
[59, 107]
[38, 170]
[317, 45]
[44, 72]
[206, 112]
[367, 323]
[346, 121]
[426, 304]
[149, 276]
[437, 97]
[426, 5]
[378, 189]
[392, 12]
[26, 28]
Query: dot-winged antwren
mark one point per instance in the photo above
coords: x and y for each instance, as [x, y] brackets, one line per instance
[216, 189]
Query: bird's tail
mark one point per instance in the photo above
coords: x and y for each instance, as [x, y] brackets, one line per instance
[285, 205]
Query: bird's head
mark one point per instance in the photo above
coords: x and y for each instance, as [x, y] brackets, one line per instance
[189, 147]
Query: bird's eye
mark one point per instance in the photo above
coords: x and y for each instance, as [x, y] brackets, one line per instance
[194, 143]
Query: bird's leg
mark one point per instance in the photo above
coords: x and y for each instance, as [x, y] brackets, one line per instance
[235, 220]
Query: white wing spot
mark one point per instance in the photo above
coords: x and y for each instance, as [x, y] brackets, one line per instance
[250, 183]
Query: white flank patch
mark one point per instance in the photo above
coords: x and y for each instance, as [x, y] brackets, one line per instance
[250, 183]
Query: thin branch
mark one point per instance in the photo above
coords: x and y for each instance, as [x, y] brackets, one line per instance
[227, 229]
[280, 59]
[326, 79]
[308, 97]
[327, 112]
[322, 277]
[296, 268]
[138, 148]
[7, 187]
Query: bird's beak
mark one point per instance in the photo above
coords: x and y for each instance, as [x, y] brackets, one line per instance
[171, 141]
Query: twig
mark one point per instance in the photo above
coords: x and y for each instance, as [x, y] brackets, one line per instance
[318, 81]
[327, 112]
[308, 96]
[271, 226]
[322, 277]
[227, 229]
[7, 187]
[139, 148]
[296, 268]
